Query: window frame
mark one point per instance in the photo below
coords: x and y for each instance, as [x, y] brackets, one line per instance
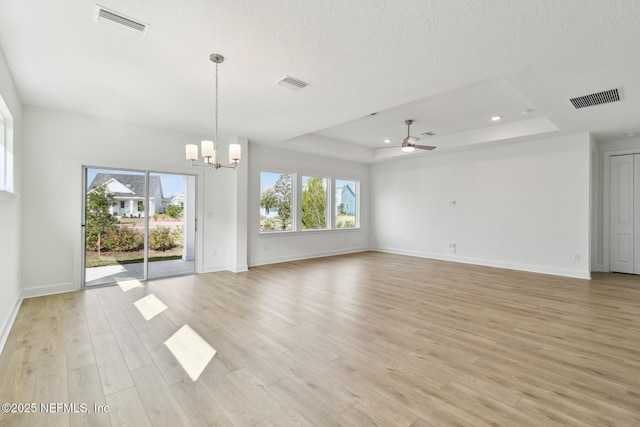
[296, 202]
[294, 209]
[327, 210]
[7, 158]
[356, 203]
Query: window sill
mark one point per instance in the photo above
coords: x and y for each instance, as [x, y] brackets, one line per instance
[320, 231]
[8, 196]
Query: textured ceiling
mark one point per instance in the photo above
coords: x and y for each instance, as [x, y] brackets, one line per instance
[447, 64]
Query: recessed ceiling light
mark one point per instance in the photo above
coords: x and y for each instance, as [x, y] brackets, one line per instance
[495, 118]
[387, 141]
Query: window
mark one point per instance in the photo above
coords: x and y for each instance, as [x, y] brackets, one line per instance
[346, 203]
[314, 203]
[6, 149]
[300, 203]
[276, 201]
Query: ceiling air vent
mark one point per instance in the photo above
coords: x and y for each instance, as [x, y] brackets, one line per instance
[605, 97]
[115, 19]
[291, 83]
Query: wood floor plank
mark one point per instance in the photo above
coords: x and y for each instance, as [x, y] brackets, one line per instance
[235, 406]
[317, 414]
[112, 366]
[108, 297]
[85, 386]
[96, 319]
[166, 363]
[199, 405]
[277, 411]
[133, 350]
[78, 343]
[126, 409]
[161, 405]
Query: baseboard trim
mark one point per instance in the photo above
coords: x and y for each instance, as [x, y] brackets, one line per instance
[299, 257]
[239, 268]
[577, 274]
[8, 324]
[58, 288]
[214, 268]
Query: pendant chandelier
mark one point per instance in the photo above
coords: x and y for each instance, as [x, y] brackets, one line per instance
[209, 149]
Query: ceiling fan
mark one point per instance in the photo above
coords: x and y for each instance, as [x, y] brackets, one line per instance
[409, 143]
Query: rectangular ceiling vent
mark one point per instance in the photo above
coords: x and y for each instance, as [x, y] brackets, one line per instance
[117, 20]
[605, 97]
[291, 83]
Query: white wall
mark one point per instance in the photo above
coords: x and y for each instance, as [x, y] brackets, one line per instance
[523, 206]
[279, 247]
[622, 145]
[10, 213]
[57, 144]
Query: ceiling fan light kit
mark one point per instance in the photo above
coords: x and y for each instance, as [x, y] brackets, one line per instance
[409, 143]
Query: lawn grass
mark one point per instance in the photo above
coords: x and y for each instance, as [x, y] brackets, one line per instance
[134, 257]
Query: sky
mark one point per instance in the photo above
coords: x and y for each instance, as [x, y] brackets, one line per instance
[172, 185]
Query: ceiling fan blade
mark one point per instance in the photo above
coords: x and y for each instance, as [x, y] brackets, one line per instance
[425, 147]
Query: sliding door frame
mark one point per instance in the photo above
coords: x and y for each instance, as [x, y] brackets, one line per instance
[80, 210]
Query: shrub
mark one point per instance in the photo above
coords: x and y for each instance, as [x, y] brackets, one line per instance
[123, 240]
[161, 239]
[174, 211]
[178, 235]
[268, 224]
[345, 223]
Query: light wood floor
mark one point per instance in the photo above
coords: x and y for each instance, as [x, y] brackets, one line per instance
[356, 340]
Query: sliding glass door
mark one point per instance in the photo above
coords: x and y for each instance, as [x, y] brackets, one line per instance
[173, 233]
[137, 225]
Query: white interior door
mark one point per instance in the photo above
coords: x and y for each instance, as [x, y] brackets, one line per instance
[621, 213]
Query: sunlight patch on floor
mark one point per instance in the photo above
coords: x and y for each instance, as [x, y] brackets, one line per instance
[150, 306]
[127, 285]
[191, 351]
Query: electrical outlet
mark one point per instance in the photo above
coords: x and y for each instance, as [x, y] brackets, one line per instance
[576, 256]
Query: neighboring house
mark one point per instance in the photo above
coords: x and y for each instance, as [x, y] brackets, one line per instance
[177, 200]
[348, 199]
[128, 191]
